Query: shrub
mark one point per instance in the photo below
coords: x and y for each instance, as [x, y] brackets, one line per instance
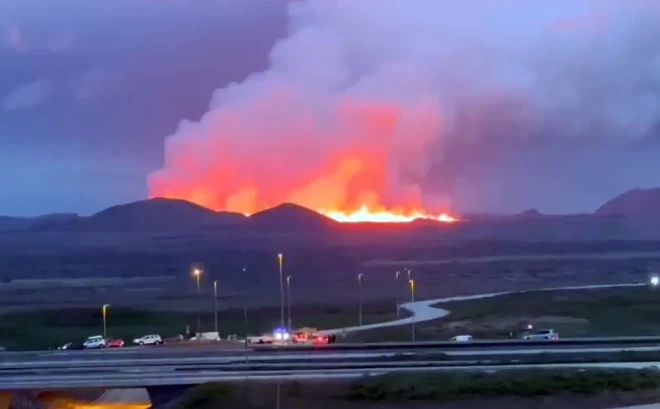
[205, 396]
[446, 385]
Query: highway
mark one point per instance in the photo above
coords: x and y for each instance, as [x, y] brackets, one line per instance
[151, 366]
[170, 377]
[135, 367]
[317, 352]
[166, 356]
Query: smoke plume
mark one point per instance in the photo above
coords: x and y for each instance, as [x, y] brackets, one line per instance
[395, 104]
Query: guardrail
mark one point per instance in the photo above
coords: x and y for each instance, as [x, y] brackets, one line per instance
[448, 345]
[597, 353]
[141, 378]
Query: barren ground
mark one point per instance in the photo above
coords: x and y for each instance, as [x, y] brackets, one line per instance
[151, 272]
[58, 270]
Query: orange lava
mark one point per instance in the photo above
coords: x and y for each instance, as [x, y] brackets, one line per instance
[355, 160]
[364, 214]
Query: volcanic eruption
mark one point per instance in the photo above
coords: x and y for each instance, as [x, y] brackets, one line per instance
[384, 112]
[343, 158]
[308, 132]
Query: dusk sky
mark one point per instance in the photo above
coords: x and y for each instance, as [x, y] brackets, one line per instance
[549, 107]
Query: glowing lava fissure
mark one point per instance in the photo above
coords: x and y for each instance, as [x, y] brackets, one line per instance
[364, 214]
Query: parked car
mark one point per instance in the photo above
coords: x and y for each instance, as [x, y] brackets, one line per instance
[148, 340]
[72, 346]
[462, 338]
[95, 342]
[262, 339]
[115, 343]
[543, 334]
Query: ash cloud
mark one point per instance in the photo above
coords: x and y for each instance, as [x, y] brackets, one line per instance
[430, 103]
[28, 95]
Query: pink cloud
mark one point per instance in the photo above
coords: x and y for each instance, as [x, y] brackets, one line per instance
[14, 38]
[60, 42]
[28, 95]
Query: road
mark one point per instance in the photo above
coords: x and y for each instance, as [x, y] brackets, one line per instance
[145, 366]
[425, 311]
[145, 378]
[209, 354]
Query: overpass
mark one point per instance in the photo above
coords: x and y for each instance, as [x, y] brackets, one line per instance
[166, 373]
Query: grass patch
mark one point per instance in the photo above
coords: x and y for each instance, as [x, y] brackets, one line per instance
[632, 311]
[459, 385]
[54, 327]
[205, 396]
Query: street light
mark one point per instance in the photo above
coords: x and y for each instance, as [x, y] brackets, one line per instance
[397, 294]
[280, 260]
[412, 300]
[104, 311]
[197, 273]
[215, 304]
[655, 281]
[288, 301]
[360, 296]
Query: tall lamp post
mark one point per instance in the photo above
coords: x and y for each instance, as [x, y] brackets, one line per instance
[397, 294]
[280, 260]
[288, 301]
[104, 311]
[215, 304]
[198, 275]
[360, 296]
[412, 300]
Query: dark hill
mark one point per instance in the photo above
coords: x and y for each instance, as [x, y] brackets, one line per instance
[290, 216]
[8, 223]
[160, 214]
[531, 214]
[55, 221]
[151, 214]
[636, 203]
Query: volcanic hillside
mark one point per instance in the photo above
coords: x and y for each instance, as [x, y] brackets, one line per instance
[160, 214]
[174, 214]
[635, 203]
[290, 216]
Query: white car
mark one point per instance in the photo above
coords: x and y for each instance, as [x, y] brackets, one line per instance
[263, 339]
[148, 340]
[462, 338]
[544, 334]
[94, 342]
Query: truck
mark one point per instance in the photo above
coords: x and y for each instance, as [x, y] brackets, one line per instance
[312, 336]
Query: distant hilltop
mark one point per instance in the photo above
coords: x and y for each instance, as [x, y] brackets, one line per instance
[635, 203]
[160, 214]
[170, 214]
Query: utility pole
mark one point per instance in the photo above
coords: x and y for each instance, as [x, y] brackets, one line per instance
[215, 304]
[360, 295]
[396, 294]
[412, 300]
[280, 258]
[288, 301]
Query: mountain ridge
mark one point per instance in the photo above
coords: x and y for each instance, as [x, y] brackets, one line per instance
[177, 214]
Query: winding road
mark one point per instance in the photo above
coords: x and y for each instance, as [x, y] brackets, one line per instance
[425, 311]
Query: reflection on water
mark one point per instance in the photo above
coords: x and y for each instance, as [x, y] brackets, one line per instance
[269, 395]
[112, 399]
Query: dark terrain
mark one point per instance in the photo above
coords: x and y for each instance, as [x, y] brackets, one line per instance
[141, 254]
